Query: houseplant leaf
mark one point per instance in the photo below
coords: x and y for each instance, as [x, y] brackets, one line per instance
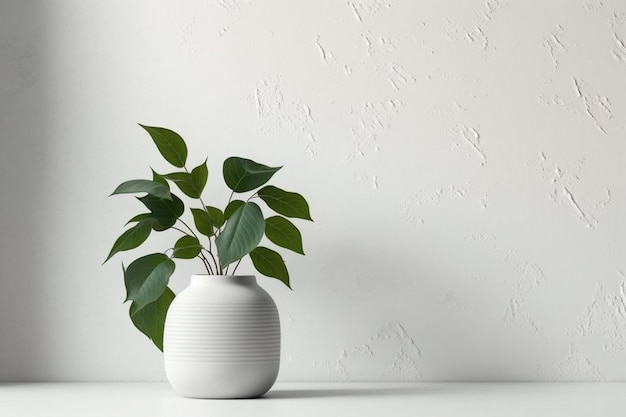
[231, 208]
[132, 237]
[192, 184]
[139, 217]
[203, 223]
[207, 221]
[143, 186]
[147, 277]
[285, 203]
[216, 215]
[150, 320]
[156, 177]
[270, 264]
[283, 233]
[243, 175]
[242, 233]
[199, 176]
[166, 212]
[170, 144]
[187, 247]
[184, 183]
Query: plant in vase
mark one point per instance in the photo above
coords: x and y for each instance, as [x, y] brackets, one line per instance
[219, 238]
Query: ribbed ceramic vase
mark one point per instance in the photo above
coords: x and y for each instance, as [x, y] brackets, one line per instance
[222, 338]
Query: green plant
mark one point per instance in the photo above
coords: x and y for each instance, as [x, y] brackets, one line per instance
[221, 238]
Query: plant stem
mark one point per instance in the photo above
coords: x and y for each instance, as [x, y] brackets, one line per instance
[237, 266]
[210, 251]
[180, 230]
[206, 264]
[189, 228]
[214, 261]
[204, 260]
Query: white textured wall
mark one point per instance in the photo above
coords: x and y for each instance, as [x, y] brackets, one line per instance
[464, 162]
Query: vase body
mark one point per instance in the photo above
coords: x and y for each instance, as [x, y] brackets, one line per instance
[222, 339]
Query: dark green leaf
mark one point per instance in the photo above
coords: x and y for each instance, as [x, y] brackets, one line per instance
[285, 203]
[183, 181]
[187, 247]
[190, 184]
[150, 320]
[140, 217]
[232, 208]
[170, 144]
[156, 177]
[199, 176]
[283, 233]
[132, 237]
[166, 212]
[202, 221]
[216, 215]
[243, 175]
[270, 264]
[147, 277]
[143, 186]
[242, 233]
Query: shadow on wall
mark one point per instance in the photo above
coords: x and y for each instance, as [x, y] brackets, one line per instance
[22, 168]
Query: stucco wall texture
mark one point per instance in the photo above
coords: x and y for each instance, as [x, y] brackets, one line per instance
[464, 163]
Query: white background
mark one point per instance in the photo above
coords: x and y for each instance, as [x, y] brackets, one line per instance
[464, 163]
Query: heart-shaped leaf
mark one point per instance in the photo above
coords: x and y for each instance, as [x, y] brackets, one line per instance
[132, 237]
[203, 222]
[231, 208]
[187, 247]
[152, 188]
[270, 264]
[170, 144]
[285, 203]
[147, 277]
[166, 212]
[242, 233]
[283, 233]
[243, 175]
[150, 320]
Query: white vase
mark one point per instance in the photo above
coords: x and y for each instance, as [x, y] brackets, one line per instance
[222, 338]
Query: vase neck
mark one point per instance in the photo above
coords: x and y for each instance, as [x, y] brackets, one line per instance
[205, 280]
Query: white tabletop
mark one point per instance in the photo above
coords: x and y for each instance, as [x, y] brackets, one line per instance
[320, 399]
